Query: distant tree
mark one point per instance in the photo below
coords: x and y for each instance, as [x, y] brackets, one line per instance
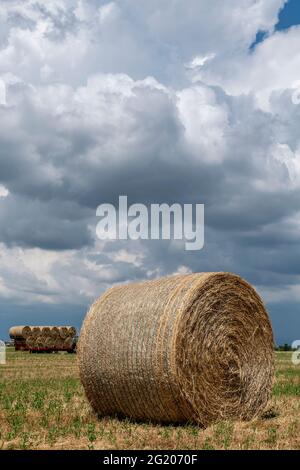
[284, 347]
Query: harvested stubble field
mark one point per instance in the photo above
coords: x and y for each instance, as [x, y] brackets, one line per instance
[42, 406]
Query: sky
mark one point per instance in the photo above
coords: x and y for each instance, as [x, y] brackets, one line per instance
[289, 15]
[162, 101]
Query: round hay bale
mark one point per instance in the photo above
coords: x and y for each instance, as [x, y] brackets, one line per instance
[55, 332]
[64, 332]
[30, 341]
[36, 331]
[68, 342]
[40, 341]
[46, 330]
[19, 331]
[193, 348]
[49, 342]
[58, 343]
[52, 331]
[72, 331]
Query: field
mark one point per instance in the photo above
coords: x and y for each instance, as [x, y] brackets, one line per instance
[42, 406]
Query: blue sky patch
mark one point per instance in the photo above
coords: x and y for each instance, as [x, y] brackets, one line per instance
[289, 15]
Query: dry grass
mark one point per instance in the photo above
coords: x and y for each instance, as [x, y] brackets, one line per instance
[42, 406]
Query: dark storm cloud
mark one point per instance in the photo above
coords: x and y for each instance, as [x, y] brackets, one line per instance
[70, 155]
[82, 124]
[52, 226]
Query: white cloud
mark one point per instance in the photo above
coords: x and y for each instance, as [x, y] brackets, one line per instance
[2, 93]
[199, 61]
[205, 122]
[273, 66]
[3, 191]
[108, 12]
[291, 160]
[281, 294]
[135, 37]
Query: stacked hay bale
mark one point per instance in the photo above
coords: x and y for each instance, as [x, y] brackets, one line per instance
[43, 338]
[195, 348]
[19, 334]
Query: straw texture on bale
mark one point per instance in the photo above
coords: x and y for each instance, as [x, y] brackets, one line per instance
[55, 331]
[19, 331]
[68, 342]
[36, 330]
[30, 341]
[57, 343]
[63, 332]
[49, 342]
[71, 331]
[46, 330]
[196, 348]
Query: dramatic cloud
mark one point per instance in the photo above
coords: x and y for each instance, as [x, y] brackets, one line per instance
[163, 101]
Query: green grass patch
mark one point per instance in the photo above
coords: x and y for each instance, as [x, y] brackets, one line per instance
[286, 389]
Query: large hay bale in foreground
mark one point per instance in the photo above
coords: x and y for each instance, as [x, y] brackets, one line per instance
[196, 348]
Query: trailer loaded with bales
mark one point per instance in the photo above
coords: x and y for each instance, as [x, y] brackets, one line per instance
[48, 339]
